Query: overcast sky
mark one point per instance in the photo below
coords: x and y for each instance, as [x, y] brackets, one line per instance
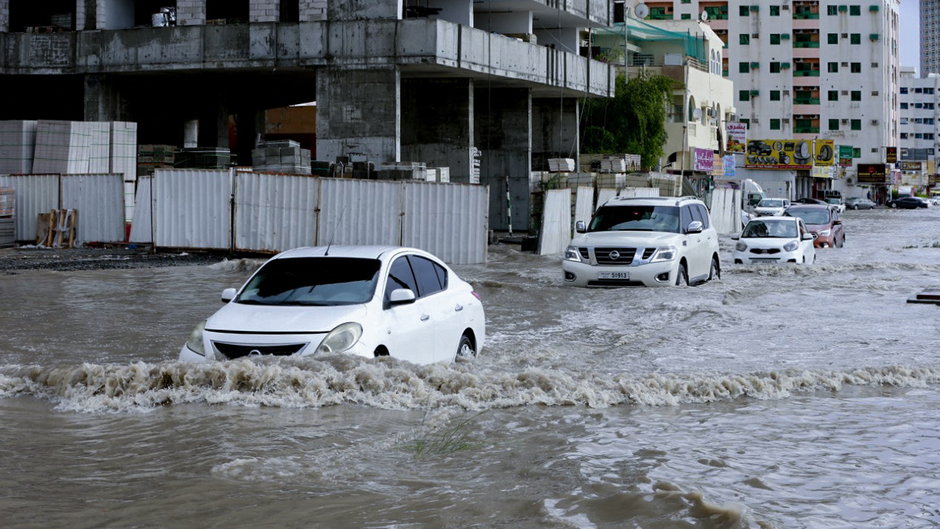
[909, 39]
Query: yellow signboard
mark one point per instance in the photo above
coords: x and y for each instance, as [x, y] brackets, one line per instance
[789, 154]
[824, 152]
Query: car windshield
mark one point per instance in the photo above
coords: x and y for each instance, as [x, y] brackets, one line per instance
[770, 229]
[636, 218]
[810, 216]
[312, 281]
[770, 203]
[833, 201]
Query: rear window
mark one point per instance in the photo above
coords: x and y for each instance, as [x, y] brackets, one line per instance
[312, 281]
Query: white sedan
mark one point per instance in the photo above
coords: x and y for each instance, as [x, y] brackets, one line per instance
[364, 300]
[775, 240]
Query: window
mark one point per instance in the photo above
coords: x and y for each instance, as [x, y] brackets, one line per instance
[856, 95]
[400, 276]
[903, 135]
[831, 10]
[903, 106]
[857, 125]
[833, 38]
[928, 90]
[700, 214]
[855, 11]
[874, 65]
[744, 67]
[775, 95]
[833, 67]
[856, 67]
[227, 10]
[744, 39]
[744, 95]
[775, 11]
[428, 274]
[855, 38]
[744, 11]
[290, 10]
[874, 93]
[857, 153]
[833, 95]
[903, 89]
[746, 121]
[774, 67]
[918, 91]
[833, 124]
[685, 16]
[775, 38]
[774, 124]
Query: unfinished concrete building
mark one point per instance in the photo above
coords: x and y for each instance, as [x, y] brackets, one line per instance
[487, 88]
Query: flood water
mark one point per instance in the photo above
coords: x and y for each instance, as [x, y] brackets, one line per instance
[778, 397]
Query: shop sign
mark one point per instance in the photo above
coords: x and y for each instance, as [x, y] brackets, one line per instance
[871, 173]
[737, 136]
[911, 166]
[891, 154]
[704, 160]
[789, 154]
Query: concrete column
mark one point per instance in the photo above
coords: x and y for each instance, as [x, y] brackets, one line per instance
[264, 10]
[359, 111]
[504, 135]
[437, 124]
[4, 16]
[190, 12]
[312, 10]
[103, 99]
[554, 131]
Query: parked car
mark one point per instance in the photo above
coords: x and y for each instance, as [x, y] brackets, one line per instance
[823, 222]
[644, 241]
[859, 203]
[773, 207]
[836, 203]
[909, 203]
[808, 200]
[775, 240]
[362, 300]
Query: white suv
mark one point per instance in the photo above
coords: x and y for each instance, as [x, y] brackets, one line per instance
[644, 241]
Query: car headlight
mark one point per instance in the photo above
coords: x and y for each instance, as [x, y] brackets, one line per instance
[195, 339]
[790, 246]
[340, 339]
[741, 246]
[666, 253]
[825, 233]
[572, 254]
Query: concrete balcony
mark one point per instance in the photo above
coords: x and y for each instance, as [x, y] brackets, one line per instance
[419, 47]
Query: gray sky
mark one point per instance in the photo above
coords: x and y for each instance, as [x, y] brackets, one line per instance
[909, 39]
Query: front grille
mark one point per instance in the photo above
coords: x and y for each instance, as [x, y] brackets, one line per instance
[233, 351]
[584, 254]
[763, 251]
[622, 256]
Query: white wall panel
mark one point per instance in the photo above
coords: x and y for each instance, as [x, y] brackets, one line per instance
[359, 212]
[603, 195]
[99, 199]
[192, 208]
[556, 222]
[450, 221]
[584, 204]
[35, 194]
[275, 212]
[142, 227]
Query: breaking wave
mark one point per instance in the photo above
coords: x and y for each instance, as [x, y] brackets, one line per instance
[390, 384]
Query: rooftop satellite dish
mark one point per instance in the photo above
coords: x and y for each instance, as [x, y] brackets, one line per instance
[641, 10]
[704, 16]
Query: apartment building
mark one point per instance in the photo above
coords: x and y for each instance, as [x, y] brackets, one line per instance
[919, 124]
[929, 37]
[808, 69]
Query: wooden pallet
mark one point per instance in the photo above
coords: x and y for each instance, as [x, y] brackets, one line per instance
[57, 228]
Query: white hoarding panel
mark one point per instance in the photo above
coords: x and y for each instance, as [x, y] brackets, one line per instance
[192, 208]
[603, 195]
[35, 194]
[556, 222]
[275, 212]
[359, 212]
[449, 221]
[142, 227]
[584, 204]
[99, 199]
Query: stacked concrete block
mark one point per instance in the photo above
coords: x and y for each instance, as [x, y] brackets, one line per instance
[313, 10]
[264, 11]
[561, 165]
[190, 12]
[17, 145]
[613, 164]
[281, 157]
[403, 171]
[124, 161]
[99, 146]
[62, 147]
[152, 157]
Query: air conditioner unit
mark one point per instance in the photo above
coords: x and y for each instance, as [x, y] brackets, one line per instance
[845, 64]
[844, 121]
[845, 92]
[755, 35]
[786, 120]
[786, 92]
[850, 181]
[874, 122]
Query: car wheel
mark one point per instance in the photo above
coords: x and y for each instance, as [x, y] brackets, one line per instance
[715, 272]
[465, 349]
[893, 205]
[682, 276]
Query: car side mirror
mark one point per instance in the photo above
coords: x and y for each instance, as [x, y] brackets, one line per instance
[401, 296]
[736, 236]
[228, 295]
[836, 222]
[695, 227]
[809, 236]
[580, 226]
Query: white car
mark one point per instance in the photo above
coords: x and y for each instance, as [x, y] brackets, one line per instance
[775, 240]
[836, 203]
[363, 300]
[771, 207]
[644, 241]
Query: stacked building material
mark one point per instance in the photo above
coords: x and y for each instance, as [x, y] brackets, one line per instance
[282, 156]
[204, 158]
[124, 161]
[7, 219]
[62, 147]
[17, 145]
[561, 165]
[151, 157]
[402, 171]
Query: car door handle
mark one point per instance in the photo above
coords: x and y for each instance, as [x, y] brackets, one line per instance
[425, 317]
[458, 308]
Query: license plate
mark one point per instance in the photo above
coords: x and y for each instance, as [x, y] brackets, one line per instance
[613, 275]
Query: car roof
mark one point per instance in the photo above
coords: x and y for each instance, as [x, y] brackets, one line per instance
[809, 206]
[652, 201]
[354, 251]
[775, 217]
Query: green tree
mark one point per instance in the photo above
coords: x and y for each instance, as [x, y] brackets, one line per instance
[633, 121]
